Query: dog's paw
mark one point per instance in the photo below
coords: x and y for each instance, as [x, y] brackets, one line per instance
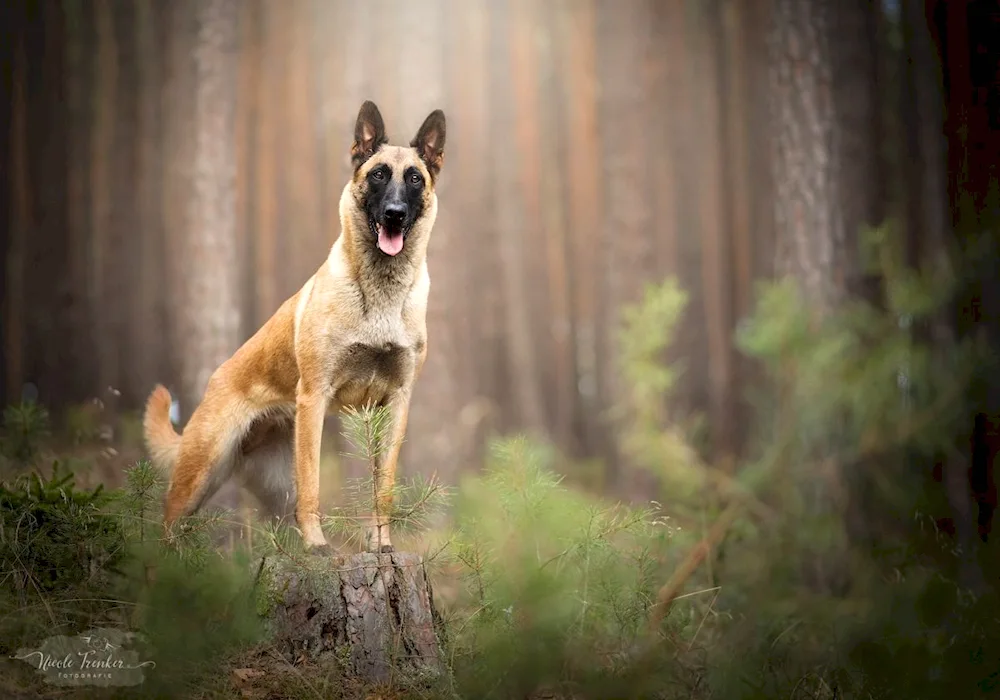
[387, 549]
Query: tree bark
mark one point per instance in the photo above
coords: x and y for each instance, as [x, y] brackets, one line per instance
[205, 268]
[19, 224]
[522, 366]
[126, 216]
[825, 148]
[438, 440]
[79, 72]
[150, 299]
[929, 236]
[576, 29]
[106, 295]
[826, 164]
[210, 277]
[372, 613]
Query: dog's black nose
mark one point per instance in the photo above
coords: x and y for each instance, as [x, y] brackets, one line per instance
[395, 213]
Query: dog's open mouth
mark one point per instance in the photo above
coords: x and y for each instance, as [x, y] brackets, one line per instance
[389, 237]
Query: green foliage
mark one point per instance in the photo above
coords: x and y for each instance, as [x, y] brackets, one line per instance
[415, 503]
[54, 536]
[558, 584]
[647, 332]
[74, 558]
[141, 497]
[854, 397]
[651, 437]
[195, 616]
[858, 397]
[25, 426]
[845, 369]
[59, 549]
[367, 430]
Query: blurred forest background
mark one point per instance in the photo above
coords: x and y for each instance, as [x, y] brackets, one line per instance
[770, 520]
[174, 167]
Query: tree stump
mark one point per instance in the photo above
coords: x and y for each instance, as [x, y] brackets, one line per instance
[371, 613]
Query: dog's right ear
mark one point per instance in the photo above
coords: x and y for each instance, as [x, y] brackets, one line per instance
[369, 134]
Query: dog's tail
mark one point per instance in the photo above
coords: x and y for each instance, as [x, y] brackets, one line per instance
[162, 441]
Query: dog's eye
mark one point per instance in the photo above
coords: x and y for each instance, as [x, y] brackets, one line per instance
[415, 178]
[378, 174]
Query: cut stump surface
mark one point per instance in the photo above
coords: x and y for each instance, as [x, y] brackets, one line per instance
[373, 613]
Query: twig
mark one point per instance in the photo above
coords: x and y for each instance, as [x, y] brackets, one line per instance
[703, 591]
[705, 617]
[668, 593]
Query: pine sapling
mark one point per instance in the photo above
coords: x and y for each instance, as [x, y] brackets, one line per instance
[414, 502]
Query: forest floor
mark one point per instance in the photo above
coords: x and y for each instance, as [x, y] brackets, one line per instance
[546, 591]
[100, 451]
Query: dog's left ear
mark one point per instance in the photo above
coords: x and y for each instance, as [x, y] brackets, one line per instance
[369, 134]
[429, 141]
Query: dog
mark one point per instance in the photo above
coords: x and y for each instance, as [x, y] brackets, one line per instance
[355, 334]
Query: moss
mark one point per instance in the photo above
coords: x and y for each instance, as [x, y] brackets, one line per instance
[269, 594]
[314, 575]
[343, 655]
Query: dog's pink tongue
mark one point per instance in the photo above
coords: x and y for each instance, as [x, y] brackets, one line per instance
[389, 243]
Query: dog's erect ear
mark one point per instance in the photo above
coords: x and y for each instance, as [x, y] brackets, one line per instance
[369, 134]
[429, 141]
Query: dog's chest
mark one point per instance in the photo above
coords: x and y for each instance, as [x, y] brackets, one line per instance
[375, 362]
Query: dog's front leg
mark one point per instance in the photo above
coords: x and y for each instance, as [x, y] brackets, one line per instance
[377, 536]
[310, 410]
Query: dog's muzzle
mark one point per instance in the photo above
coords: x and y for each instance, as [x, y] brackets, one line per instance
[391, 231]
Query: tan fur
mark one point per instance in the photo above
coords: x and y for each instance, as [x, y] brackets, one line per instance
[354, 334]
[161, 438]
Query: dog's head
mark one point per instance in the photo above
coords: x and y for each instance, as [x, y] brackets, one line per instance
[392, 190]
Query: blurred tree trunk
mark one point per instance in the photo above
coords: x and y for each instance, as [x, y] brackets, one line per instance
[826, 165]
[58, 380]
[107, 297]
[78, 72]
[207, 291]
[626, 253]
[205, 284]
[126, 213]
[150, 302]
[576, 27]
[438, 398]
[8, 39]
[33, 196]
[717, 264]
[929, 238]
[522, 368]
[826, 170]
[41, 186]
[469, 317]
[736, 79]
[17, 230]
[266, 165]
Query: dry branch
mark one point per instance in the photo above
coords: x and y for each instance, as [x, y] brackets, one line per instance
[666, 595]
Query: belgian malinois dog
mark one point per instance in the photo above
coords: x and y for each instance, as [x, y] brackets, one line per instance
[355, 334]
